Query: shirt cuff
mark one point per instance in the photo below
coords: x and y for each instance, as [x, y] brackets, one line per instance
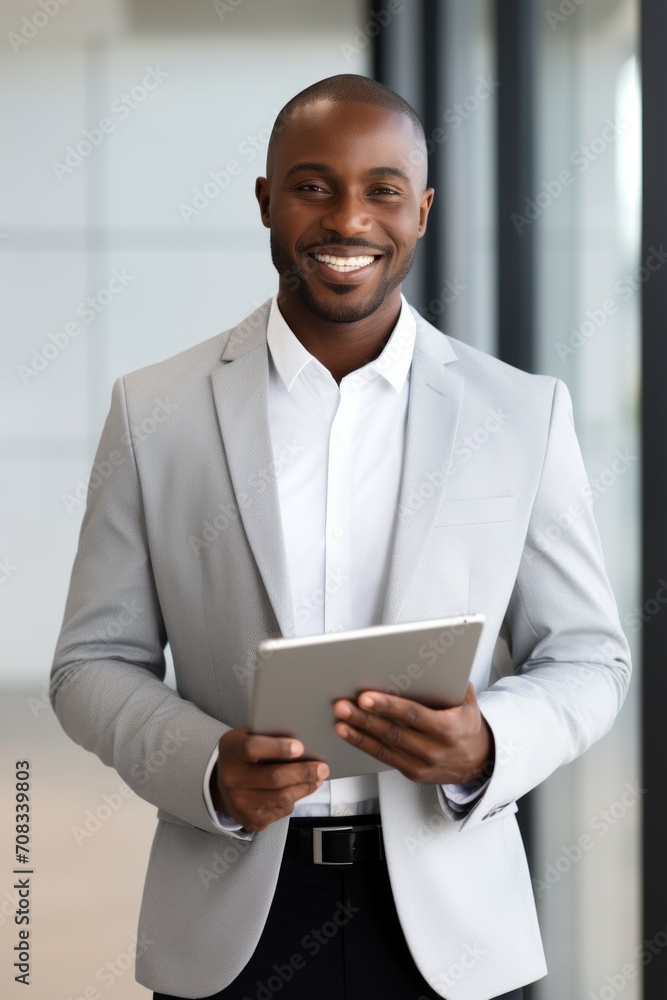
[220, 819]
[461, 797]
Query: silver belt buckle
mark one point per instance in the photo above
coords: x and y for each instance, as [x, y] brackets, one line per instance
[317, 845]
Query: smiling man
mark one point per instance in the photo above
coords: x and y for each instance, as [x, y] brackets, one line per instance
[313, 477]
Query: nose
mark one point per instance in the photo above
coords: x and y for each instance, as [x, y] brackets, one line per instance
[346, 215]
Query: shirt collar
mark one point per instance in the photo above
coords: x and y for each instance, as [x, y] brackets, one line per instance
[291, 358]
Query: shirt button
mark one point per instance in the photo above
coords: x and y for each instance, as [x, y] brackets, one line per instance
[336, 628]
[341, 810]
[337, 532]
[340, 436]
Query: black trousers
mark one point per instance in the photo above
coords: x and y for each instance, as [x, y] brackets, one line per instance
[333, 934]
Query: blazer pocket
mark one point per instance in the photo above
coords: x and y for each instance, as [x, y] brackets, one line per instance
[476, 510]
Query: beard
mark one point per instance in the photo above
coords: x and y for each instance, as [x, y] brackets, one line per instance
[297, 279]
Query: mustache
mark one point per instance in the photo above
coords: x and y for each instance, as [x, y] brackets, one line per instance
[345, 241]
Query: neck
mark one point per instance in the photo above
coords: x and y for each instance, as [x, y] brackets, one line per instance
[341, 347]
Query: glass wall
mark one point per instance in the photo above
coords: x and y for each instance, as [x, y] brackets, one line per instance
[586, 218]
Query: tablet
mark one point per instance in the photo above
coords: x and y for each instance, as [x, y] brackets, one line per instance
[298, 680]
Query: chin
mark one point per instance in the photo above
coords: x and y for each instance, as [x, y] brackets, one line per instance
[343, 311]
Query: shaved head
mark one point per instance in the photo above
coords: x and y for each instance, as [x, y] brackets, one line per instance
[348, 88]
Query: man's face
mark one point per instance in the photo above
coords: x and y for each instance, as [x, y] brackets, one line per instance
[345, 204]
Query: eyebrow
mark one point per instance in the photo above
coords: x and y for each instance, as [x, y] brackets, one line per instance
[324, 168]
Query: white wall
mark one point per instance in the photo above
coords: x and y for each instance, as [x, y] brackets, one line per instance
[64, 233]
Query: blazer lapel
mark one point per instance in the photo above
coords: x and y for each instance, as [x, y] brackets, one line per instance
[241, 394]
[434, 406]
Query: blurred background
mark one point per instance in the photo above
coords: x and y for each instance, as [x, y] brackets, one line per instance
[125, 243]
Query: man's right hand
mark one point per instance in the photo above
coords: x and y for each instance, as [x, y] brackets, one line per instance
[254, 792]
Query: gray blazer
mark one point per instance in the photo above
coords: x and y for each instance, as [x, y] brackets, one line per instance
[182, 542]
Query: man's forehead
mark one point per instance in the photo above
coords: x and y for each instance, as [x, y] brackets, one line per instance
[382, 138]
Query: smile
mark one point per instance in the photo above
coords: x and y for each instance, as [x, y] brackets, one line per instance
[343, 264]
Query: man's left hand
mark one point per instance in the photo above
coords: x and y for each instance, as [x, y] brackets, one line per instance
[442, 746]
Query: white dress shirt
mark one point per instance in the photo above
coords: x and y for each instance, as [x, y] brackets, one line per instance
[339, 455]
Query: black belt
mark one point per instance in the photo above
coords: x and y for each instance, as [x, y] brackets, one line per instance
[335, 845]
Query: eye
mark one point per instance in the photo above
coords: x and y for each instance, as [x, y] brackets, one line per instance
[310, 187]
[384, 190]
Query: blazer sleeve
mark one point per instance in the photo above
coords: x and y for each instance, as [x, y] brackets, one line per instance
[107, 680]
[571, 659]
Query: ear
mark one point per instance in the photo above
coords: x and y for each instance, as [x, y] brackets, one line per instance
[263, 197]
[424, 209]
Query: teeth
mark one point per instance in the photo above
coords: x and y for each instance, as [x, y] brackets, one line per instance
[343, 263]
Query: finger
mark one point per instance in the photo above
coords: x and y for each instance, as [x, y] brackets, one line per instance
[255, 747]
[393, 735]
[263, 807]
[409, 713]
[431, 721]
[408, 716]
[470, 700]
[269, 777]
[411, 766]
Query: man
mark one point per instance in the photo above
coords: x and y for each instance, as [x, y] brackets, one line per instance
[334, 462]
